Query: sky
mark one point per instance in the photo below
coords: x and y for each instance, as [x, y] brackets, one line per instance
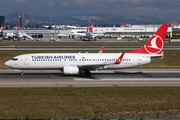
[129, 8]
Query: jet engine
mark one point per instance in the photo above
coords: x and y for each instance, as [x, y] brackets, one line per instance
[71, 70]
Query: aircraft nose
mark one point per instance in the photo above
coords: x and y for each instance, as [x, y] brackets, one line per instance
[7, 63]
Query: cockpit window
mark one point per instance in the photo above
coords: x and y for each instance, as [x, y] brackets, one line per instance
[15, 59]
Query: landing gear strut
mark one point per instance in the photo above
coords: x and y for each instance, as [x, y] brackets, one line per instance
[22, 73]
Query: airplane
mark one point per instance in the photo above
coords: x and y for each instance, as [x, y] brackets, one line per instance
[75, 33]
[70, 33]
[83, 63]
[17, 35]
[125, 25]
[82, 33]
[88, 34]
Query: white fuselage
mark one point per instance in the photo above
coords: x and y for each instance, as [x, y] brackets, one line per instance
[57, 61]
[19, 34]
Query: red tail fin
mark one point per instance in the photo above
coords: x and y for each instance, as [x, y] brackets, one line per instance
[90, 28]
[124, 25]
[18, 27]
[93, 24]
[155, 43]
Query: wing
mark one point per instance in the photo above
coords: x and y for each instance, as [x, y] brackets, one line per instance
[101, 66]
[93, 67]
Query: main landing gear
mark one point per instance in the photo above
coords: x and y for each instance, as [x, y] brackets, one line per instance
[22, 73]
[87, 73]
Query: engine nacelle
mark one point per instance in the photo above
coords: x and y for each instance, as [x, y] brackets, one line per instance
[71, 70]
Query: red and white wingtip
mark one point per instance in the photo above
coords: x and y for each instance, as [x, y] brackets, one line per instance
[155, 44]
[118, 61]
[101, 50]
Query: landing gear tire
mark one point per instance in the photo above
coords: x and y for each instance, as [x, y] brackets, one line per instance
[87, 73]
[95, 39]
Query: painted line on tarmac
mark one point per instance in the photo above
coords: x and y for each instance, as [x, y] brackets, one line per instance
[127, 79]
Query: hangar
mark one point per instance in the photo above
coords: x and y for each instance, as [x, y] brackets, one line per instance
[133, 32]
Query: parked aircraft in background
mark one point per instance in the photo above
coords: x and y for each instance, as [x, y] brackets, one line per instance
[83, 34]
[126, 25]
[176, 26]
[63, 27]
[19, 34]
[70, 33]
[76, 63]
[89, 34]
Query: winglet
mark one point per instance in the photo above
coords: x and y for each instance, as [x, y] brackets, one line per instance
[101, 50]
[155, 44]
[118, 61]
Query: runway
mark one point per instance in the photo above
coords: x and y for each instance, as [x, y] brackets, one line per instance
[113, 78]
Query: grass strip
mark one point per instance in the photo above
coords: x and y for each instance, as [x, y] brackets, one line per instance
[105, 102]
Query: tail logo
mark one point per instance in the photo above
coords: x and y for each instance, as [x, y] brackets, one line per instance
[155, 45]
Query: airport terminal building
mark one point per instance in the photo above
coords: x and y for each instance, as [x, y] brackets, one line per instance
[123, 32]
[133, 32]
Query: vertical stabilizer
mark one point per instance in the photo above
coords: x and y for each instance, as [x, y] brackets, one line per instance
[155, 44]
[90, 28]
